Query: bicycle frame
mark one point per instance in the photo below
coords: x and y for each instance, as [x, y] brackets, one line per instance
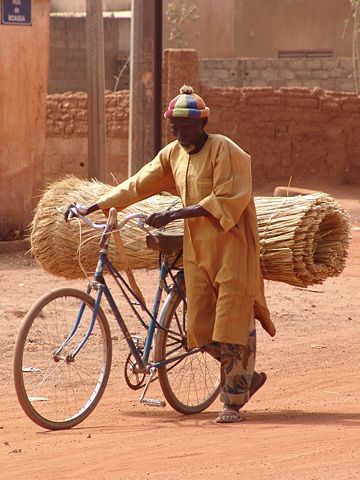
[141, 360]
[99, 284]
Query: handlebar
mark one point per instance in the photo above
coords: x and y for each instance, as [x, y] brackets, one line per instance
[112, 220]
[112, 226]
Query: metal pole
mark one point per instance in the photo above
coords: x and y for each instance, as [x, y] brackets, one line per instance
[96, 90]
[145, 82]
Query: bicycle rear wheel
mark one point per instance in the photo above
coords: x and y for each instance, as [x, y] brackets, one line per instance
[56, 390]
[190, 385]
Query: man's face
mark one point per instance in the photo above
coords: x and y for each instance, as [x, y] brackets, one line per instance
[187, 131]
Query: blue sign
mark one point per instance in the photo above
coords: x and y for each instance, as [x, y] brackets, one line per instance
[16, 12]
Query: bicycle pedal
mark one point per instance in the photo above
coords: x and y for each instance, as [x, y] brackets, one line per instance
[153, 402]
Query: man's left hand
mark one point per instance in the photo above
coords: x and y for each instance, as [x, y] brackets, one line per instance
[158, 220]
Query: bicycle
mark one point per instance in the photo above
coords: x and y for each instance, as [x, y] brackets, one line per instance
[63, 350]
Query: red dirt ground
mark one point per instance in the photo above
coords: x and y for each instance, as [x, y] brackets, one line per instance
[303, 424]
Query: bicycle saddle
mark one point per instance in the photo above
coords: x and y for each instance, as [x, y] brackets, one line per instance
[165, 241]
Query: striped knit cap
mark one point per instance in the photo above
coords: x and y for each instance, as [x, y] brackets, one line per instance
[187, 105]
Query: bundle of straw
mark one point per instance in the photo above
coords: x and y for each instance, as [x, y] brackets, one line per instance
[71, 249]
[303, 239]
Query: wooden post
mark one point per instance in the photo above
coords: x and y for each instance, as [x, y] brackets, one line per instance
[96, 90]
[145, 83]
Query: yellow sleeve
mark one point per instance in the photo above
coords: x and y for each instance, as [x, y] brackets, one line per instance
[232, 189]
[153, 178]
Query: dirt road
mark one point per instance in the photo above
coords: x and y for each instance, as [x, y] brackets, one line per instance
[303, 424]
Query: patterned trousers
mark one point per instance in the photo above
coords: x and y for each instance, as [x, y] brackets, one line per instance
[237, 367]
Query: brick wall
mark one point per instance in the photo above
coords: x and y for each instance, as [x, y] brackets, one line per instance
[290, 132]
[67, 69]
[326, 73]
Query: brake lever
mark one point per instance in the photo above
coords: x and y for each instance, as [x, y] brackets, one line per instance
[140, 222]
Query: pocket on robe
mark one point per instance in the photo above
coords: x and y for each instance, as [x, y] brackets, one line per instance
[204, 187]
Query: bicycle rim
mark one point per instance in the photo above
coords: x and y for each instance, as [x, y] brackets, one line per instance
[54, 390]
[192, 384]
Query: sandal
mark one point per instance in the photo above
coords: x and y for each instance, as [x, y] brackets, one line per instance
[228, 416]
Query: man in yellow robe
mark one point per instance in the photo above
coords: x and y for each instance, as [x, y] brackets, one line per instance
[224, 286]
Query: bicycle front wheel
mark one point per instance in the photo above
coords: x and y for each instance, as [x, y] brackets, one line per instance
[191, 384]
[57, 389]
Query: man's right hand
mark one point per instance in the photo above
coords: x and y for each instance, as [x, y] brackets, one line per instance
[73, 210]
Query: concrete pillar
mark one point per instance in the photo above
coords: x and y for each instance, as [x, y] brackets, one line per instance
[145, 82]
[24, 61]
[96, 90]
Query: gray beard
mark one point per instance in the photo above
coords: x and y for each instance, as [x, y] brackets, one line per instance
[188, 148]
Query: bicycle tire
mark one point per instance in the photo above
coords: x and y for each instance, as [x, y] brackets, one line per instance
[55, 392]
[192, 384]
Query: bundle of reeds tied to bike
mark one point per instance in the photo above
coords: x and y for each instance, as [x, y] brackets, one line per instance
[303, 239]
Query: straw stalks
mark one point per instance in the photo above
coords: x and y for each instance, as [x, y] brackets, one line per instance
[303, 239]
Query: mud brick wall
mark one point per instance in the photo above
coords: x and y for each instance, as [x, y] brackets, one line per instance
[291, 132]
[301, 133]
[66, 135]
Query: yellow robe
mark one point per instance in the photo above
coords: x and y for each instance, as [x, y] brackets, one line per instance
[221, 255]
